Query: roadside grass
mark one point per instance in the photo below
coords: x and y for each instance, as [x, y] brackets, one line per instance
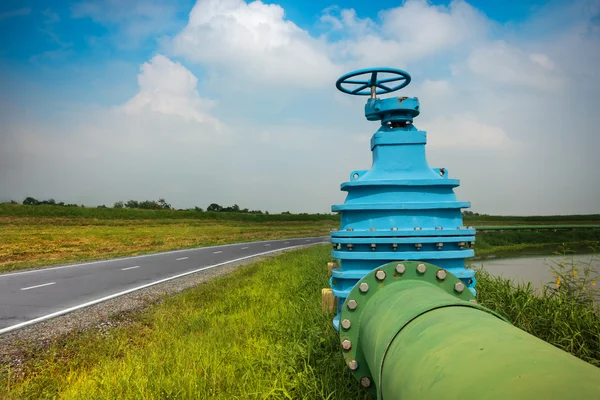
[30, 242]
[258, 333]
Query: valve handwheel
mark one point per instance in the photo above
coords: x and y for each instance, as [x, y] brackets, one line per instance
[373, 86]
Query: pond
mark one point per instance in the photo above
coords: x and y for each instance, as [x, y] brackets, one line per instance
[536, 270]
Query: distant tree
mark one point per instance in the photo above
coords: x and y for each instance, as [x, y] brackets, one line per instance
[132, 204]
[214, 207]
[163, 203]
[286, 212]
[102, 206]
[198, 209]
[30, 201]
[119, 204]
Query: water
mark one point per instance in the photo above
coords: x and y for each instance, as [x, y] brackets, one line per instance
[534, 269]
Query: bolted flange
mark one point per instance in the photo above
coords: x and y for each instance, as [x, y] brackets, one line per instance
[395, 272]
[380, 275]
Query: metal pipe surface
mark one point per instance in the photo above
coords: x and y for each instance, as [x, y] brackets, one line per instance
[422, 343]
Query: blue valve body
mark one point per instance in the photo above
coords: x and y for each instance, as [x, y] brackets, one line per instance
[400, 209]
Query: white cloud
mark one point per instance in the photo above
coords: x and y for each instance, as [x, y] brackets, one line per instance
[406, 33]
[506, 64]
[464, 131]
[169, 88]
[254, 42]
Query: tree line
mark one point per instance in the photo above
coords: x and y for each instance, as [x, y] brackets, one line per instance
[161, 204]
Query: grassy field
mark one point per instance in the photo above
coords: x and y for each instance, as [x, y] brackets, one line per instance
[33, 236]
[256, 334]
[27, 242]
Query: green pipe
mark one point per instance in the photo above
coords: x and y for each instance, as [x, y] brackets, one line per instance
[416, 335]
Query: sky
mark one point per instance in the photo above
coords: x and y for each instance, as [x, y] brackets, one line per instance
[235, 102]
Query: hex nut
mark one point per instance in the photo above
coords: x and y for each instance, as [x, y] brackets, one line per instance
[346, 323]
[346, 344]
[365, 382]
[380, 275]
[400, 268]
[363, 287]
[353, 365]
[352, 304]
[417, 228]
[421, 268]
[394, 229]
[441, 274]
[459, 287]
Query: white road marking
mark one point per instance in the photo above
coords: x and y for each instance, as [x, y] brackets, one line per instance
[217, 252]
[42, 270]
[37, 286]
[285, 242]
[267, 245]
[244, 248]
[308, 240]
[181, 258]
[125, 269]
[112, 296]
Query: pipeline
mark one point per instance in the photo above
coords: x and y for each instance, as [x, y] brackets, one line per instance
[409, 323]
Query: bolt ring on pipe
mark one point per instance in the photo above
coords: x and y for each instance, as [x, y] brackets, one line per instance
[355, 359]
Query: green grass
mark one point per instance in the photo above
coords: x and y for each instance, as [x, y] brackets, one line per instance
[30, 242]
[565, 316]
[255, 334]
[513, 243]
[22, 211]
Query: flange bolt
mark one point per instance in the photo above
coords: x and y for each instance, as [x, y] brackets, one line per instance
[400, 268]
[421, 268]
[441, 274]
[365, 382]
[363, 287]
[346, 323]
[459, 287]
[380, 275]
[346, 344]
[352, 304]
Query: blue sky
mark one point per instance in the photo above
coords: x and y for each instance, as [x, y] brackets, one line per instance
[227, 101]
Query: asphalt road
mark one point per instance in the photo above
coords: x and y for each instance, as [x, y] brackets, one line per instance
[33, 296]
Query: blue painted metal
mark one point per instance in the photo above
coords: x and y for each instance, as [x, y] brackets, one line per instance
[400, 209]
